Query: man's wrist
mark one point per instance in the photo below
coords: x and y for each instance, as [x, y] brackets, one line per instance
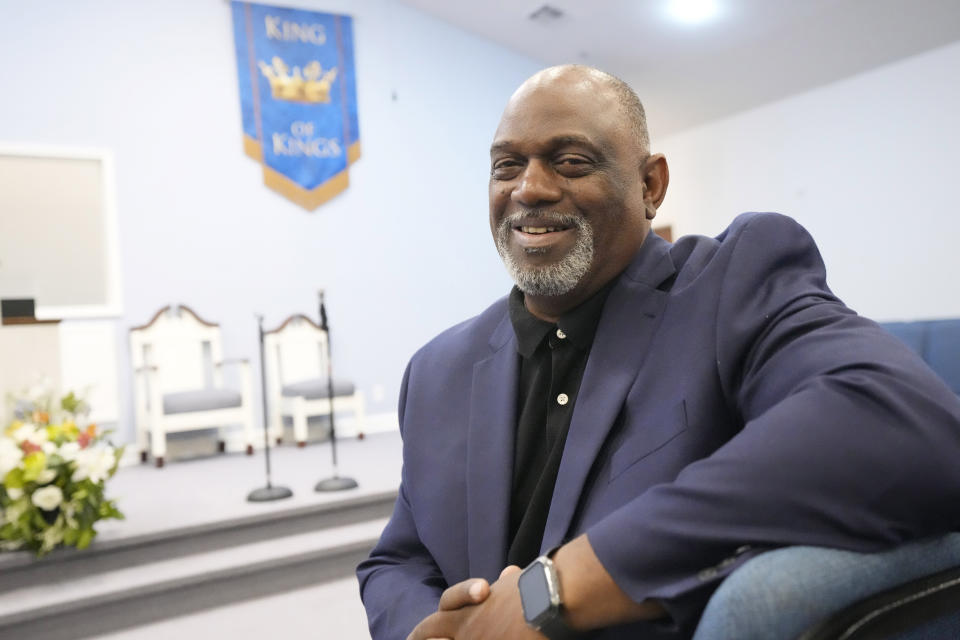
[590, 596]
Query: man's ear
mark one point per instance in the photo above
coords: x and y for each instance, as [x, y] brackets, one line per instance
[655, 180]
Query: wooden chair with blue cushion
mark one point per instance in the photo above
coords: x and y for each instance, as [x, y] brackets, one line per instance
[296, 368]
[178, 368]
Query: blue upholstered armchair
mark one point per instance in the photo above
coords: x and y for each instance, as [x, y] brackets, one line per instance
[807, 593]
[911, 592]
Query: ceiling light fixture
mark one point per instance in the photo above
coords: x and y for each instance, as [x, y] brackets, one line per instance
[692, 11]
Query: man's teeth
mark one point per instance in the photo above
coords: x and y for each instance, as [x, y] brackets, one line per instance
[540, 229]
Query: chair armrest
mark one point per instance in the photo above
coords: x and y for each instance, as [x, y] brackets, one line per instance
[930, 604]
[784, 592]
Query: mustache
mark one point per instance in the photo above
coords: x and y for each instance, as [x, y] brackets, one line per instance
[552, 218]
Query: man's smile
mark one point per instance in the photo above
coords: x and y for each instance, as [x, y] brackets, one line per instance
[540, 232]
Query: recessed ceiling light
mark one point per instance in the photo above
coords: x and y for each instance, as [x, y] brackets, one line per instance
[692, 11]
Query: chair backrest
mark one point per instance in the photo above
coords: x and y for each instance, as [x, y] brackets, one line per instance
[295, 351]
[182, 346]
[913, 334]
[937, 342]
[943, 350]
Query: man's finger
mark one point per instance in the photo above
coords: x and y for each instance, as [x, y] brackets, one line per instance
[462, 594]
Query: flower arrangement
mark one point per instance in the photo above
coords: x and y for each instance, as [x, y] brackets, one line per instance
[54, 470]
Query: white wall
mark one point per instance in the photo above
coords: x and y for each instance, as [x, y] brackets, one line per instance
[868, 165]
[402, 254]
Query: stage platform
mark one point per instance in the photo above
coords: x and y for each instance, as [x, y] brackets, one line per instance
[191, 542]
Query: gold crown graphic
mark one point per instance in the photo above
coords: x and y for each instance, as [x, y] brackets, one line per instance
[313, 85]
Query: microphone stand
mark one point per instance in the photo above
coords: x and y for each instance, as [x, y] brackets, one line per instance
[336, 483]
[269, 492]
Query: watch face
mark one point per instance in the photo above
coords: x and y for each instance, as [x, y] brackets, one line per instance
[534, 592]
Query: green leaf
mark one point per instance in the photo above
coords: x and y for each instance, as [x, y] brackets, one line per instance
[86, 537]
[14, 479]
[69, 403]
[70, 537]
[33, 465]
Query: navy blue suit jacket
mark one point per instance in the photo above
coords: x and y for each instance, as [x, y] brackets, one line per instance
[730, 404]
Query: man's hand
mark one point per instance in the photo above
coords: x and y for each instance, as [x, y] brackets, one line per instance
[473, 609]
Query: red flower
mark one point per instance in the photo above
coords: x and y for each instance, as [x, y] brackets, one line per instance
[28, 447]
[87, 436]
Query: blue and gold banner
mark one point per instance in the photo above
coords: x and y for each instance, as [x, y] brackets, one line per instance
[298, 98]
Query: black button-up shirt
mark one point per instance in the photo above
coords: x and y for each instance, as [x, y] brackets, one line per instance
[552, 360]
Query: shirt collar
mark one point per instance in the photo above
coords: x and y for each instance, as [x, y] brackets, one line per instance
[579, 324]
[530, 329]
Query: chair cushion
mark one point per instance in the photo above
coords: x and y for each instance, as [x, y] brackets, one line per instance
[200, 400]
[317, 388]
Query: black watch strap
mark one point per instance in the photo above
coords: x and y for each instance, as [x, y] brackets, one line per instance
[556, 629]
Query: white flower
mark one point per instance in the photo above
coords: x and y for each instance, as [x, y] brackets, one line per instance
[24, 432]
[94, 464]
[47, 498]
[48, 448]
[10, 455]
[68, 451]
[38, 437]
[46, 476]
[15, 494]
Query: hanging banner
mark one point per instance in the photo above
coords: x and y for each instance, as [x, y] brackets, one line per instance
[298, 98]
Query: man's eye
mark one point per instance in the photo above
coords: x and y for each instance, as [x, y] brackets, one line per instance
[505, 168]
[572, 165]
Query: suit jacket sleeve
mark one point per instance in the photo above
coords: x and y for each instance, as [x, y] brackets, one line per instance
[400, 584]
[848, 439]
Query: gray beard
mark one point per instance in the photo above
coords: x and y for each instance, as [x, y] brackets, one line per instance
[555, 279]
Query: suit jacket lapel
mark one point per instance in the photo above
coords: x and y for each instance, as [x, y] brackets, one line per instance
[490, 446]
[629, 320]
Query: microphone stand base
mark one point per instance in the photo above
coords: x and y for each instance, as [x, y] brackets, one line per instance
[335, 483]
[268, 493]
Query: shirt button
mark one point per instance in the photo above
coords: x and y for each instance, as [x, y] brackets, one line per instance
[561, 334]
[563, 399]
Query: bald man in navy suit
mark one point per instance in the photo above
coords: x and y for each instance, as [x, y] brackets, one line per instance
[638, 418]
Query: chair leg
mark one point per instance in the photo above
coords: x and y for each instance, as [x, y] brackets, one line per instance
[299, 422]
[221, 445]
[360, 411]
[158, 442]
[249, 449]
[143, 455]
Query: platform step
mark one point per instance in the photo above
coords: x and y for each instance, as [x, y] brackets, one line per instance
[19, 570]
[110, 599]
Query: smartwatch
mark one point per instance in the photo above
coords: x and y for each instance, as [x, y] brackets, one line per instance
[541, 599]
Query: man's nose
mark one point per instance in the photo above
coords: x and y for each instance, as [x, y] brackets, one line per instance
[538, 183]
